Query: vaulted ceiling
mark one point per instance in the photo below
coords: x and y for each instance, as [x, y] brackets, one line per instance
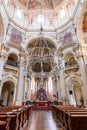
[37, 4]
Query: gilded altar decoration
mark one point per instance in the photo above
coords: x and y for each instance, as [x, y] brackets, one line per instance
[84, 26]
[16, 36]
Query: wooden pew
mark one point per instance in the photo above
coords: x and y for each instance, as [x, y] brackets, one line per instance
[3, 125]
[67, 116]
[18, 116]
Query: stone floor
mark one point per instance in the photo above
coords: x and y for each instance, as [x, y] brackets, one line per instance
[42, 120]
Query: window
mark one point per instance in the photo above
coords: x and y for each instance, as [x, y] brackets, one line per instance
[62, 13]
[82, 1]
[19, 13]
[40, 18]
[75, 1]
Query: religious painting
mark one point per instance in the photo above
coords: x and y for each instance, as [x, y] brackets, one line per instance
[34, 4]
[16, 36]
[84, 26]
[41, 95]
[47, 4]
[66, 38]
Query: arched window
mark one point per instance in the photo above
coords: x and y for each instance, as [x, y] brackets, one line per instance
[62, 13]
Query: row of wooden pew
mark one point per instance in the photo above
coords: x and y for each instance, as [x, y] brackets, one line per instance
[14, 117]
[70, 117]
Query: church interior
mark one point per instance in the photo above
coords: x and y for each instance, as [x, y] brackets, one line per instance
[43, 64]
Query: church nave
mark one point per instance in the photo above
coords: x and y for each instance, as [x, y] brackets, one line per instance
[42, 120]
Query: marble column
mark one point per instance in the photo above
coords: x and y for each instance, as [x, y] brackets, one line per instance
[20, 88]
[25, 87]
[63, 87]
[29, 90]
[84, 78]
[58, 88]
[1, 85]
[2, 62]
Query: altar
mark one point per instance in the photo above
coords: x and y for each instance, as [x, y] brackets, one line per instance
[42, 105]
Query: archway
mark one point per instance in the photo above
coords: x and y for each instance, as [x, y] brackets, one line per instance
[74, 90]
[78, 93]
[8, 93]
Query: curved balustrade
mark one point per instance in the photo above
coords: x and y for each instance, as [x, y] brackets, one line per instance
[13, 63]
[71, 66]
[68, 64]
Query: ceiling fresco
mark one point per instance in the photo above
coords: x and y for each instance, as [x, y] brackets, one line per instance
[37, 67]
[38, 4]
[41, 42]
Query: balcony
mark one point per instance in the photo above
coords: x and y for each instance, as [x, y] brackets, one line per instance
[12, 63]
[11, 66]
[71, 67]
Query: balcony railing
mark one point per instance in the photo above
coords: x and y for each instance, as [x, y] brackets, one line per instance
[12, 63]
[68, 64]
[71, 66]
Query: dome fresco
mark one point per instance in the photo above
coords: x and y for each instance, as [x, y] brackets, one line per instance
[37, 4]
[30, 14]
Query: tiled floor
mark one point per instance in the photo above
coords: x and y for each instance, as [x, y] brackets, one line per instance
[42, 120]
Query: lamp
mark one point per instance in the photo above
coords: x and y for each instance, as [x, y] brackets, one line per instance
[41, 51]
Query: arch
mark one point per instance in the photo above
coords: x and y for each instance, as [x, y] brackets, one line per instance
[53, 41]
[78, 93]
[10, 78]
[13, 57]
[70, 61]
[69, 57]
[8, 93]
[74, 88]
[12, 60]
